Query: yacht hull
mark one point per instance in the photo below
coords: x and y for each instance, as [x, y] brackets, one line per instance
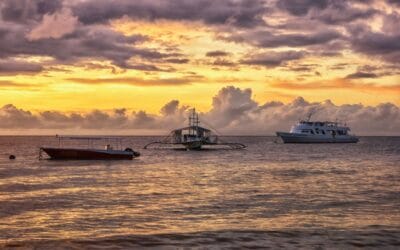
[88, 154]
[304, 138]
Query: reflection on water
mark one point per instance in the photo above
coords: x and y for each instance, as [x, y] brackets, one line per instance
[266, 194]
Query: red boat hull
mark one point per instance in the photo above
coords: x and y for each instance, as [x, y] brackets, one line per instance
[87, 154]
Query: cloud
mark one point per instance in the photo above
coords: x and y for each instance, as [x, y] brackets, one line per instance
[240, 114]
[230, 105]
[242, 13]
[382, 44]
[55, 25]
[337, 84]
[395, 2]
[302, 67]
[339, 12]
[5, 84]
[233, 111]
[273, 59]
[360, 74]
[72, 31]
[274, 39]
[301, 7]
[12, 117]
[217, 53]
[224, 63]
[379, 45]
[170, 108]
[13, 67]
[327, 11]
[23, 11]
[96, 43]
[177, 60]
[135, 81]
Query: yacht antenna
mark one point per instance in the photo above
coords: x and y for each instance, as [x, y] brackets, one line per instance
[310, 114]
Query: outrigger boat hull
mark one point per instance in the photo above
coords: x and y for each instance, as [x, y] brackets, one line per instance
[193, 145]
[305, 138]
[88, 154]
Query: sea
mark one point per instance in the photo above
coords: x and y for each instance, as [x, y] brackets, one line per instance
[269, 195]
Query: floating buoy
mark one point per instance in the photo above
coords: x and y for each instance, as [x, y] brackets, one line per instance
[11, 157]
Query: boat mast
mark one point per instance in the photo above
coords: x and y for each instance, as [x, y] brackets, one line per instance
[193, 121]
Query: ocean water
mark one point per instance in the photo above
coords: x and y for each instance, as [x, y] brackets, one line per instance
[268, 195]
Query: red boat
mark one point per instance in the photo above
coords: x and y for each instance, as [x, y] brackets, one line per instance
[69, 153]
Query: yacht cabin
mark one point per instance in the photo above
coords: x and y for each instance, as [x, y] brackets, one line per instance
[319, 128]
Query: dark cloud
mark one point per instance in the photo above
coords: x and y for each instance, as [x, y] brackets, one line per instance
[382, 44]
[244, 13]
[395, 2]
[86, 42]
[23, 11]
[36, 28]
[223, 62]
[360, 74]
[339, 66]
[378, 45]
[301, 7]
[338, 12]
[273, 59]
[14, 67]
[268, 40]
[217, 53]
[301, 67]
[177, 60]
[391, 23]
[275, 39]
[327, 11]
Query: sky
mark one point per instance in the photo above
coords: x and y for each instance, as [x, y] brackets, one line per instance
[249, 66]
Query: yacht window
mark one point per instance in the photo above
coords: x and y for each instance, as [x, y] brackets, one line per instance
[305, 131]
[312, 132]
[323, 131]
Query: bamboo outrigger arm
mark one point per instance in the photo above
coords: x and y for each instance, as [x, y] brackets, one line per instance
[229, 145]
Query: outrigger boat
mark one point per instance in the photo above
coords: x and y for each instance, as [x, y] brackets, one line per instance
[194, 137]
[306, 131]
[89, 153]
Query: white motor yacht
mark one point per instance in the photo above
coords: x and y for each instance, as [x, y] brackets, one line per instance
[318, 132]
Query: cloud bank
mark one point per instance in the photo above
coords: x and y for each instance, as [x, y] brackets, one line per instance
[233, 111]
[69, 31]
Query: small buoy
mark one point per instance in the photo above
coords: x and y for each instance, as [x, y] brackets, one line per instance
[11, 157]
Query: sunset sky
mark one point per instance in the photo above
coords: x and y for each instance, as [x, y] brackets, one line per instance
[84, 64]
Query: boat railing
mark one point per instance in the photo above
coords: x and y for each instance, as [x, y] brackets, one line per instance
[108, 142]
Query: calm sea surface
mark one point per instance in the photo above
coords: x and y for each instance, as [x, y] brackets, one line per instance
[268, 195]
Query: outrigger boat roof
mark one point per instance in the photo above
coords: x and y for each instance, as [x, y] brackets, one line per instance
[194, 137]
